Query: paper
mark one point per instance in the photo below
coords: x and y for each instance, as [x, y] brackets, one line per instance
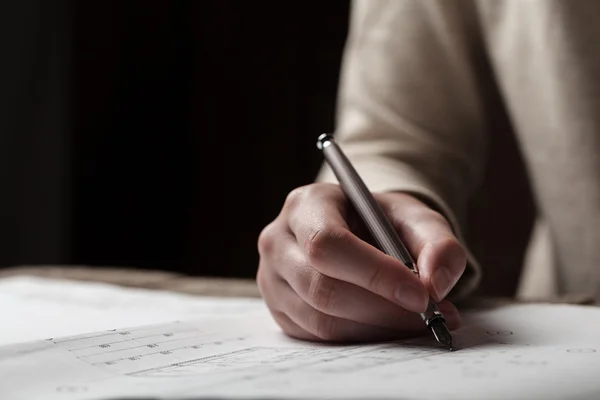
[36, 308]
[516, 352]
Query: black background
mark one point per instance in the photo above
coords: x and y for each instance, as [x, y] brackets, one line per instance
[192, 121]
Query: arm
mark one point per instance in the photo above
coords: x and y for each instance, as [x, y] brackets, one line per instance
[410, 120]
[410, 108]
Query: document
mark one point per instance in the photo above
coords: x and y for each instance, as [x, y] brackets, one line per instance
[531, 351]
[36, 308]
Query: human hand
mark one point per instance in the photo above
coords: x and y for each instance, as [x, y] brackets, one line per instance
[323, 281]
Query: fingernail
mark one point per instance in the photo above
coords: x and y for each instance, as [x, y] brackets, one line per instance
[441, 281]
[411, 298]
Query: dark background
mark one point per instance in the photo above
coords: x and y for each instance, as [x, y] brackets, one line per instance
[193, 120]
[190, 121]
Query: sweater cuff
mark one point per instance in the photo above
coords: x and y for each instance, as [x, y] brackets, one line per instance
[387, 175]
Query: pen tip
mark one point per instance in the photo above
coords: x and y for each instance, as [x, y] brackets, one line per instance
[441, 333]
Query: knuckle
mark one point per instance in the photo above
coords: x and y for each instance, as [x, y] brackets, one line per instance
[294, 196]
[267, 238]
[424, 214]
[322, 292]
[322, 325]
[321, 239]
[428, 216]
[313, 190]
[398, 208]
[316, 240]
[376, 280]
[408, 216]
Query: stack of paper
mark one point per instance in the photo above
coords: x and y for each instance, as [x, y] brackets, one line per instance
[514, 352]
[35, 308]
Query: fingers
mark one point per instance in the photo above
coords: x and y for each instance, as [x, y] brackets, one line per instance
[317, 220]
[336, 299]
[441, 258]
[342, 299]
[292, 329]
[300, 320]
[270, 286]
[345, 300]
[322, 282]
[329, 328]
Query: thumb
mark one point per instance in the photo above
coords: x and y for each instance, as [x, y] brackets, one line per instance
[440, 257]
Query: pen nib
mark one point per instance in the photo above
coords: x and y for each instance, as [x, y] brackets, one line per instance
[442, 334]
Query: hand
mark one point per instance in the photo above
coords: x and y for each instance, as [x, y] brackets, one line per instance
[323, 281]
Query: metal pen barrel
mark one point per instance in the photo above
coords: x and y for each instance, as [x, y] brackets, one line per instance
[373, 216]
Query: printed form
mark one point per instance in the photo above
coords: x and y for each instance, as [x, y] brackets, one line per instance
[517, 352]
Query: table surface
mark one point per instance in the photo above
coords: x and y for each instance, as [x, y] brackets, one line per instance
[149, 279]
[209, 286]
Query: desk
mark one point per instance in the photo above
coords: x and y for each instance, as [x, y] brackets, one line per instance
[162, 280]
[226, 287]
[66, 369]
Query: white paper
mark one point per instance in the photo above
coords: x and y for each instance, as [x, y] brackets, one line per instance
[516, 352]
[34, 308]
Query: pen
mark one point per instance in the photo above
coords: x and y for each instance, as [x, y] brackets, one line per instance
[379, 225]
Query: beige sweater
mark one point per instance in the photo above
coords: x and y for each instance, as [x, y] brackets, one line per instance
[413, 115]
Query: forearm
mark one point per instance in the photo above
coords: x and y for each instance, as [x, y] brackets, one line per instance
[410, 112]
